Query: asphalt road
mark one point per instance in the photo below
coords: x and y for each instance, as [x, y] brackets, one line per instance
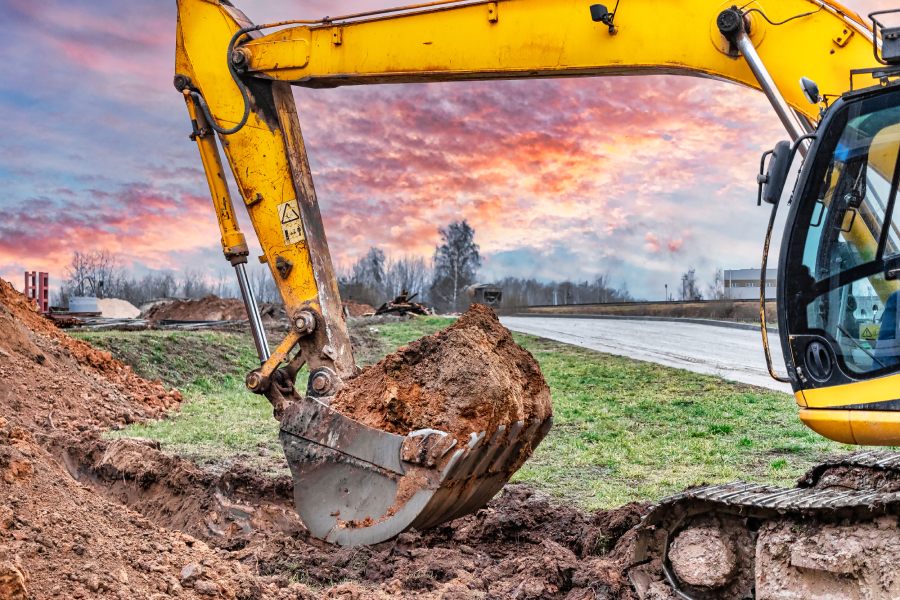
[734, 354]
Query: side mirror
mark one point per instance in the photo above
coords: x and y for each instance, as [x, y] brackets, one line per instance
[771, 184]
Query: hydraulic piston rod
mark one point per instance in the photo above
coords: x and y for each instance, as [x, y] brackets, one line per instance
[234, 244]
[732, 25]
[256, 324]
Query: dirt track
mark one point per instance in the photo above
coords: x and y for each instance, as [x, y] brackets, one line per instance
[86, 517]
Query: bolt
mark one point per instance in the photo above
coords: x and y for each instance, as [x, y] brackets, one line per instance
[181, 82]
[320, 382]
[240, 57]
[305, 322]
[254, 381]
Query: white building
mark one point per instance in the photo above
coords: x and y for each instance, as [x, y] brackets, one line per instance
[743, 284]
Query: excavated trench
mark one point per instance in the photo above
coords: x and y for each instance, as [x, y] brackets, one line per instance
[522, 545]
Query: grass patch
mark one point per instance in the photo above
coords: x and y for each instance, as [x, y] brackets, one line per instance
[623, 430]
[180, 359]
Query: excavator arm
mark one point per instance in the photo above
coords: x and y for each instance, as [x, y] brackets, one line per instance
[236, 80]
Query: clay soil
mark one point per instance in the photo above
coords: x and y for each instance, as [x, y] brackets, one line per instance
[82, 516]
[470, 377]
[209, 308]
[358, 309]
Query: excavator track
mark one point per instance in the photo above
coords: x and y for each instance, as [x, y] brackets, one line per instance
[835, 534]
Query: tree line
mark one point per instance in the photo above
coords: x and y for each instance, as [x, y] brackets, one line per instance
[373, 279]
[100, 273]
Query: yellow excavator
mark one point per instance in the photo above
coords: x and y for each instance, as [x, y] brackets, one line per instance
[831, 79]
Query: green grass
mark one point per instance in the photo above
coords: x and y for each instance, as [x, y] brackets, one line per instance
[623, 430]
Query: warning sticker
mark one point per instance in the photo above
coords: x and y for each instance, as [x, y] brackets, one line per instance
[291, 225]
[869, 331]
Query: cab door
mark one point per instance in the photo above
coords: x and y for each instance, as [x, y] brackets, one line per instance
[839, 292]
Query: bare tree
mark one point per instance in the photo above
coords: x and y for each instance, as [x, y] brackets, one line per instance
[717, 288]
[91, 273]
[456, 263]
[690, 289]
[263, 284]
[531, 292]
[366, 279]
[410, 274]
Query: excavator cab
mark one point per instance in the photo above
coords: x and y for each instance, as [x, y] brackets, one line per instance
[839, 273]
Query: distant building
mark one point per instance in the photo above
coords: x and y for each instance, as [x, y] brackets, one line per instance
[743, 284]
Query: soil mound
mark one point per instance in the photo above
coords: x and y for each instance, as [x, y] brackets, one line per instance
[66, 542]
[470, 377]
[208, 308]
[50, 380]
[352, 308]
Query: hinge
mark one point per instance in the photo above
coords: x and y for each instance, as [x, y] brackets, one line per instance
[492, 11]
[337, 35]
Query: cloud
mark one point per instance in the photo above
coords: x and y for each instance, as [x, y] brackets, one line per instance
[641, 177]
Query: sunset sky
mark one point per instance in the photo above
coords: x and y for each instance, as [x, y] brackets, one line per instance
[637, 177]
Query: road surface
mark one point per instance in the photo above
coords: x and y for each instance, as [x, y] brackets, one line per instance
[734, 354]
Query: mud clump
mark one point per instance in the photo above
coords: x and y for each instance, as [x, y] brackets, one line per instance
[470, 377]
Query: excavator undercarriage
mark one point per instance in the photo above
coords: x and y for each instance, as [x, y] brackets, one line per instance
[835, 535]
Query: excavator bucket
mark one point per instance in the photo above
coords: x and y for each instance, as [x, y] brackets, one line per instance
[356, 485]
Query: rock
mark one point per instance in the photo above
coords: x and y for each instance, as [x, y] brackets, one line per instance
[93, 582]
[206, 588]
[190, 572]
[12, 582]
[702, 558]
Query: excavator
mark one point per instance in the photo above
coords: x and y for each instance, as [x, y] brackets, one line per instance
[831, 78]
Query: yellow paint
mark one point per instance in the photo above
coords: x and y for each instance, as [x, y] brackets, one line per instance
[256, 153]
[880, 389]
[552, 38]
[234, 245]
[863, 427]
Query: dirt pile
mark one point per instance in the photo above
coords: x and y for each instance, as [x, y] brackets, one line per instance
[116, 308]
[208, 308]
[352, 308]
[50, 380]
[59, 539]
[470, 377]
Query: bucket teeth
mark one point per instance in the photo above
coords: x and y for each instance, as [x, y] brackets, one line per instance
[356, 485]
